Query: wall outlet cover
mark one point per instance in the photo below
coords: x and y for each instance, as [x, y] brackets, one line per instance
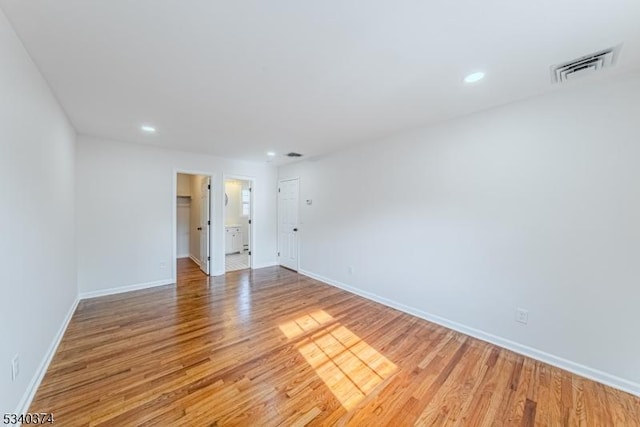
[522, 316]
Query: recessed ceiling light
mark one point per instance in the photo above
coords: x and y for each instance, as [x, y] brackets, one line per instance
[148, 129]
[270, 153]
[474, 77]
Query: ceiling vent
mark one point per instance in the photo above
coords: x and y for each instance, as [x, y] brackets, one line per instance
[585, 65]
[292, 154]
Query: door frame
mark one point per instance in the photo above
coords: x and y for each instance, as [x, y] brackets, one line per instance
[278, 220]
[174, 217]
[252, 229]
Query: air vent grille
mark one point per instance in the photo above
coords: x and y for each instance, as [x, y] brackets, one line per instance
[584, 65]
[292, 154]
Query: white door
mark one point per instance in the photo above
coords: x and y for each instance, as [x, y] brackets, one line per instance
[205, 225]
[288, 223]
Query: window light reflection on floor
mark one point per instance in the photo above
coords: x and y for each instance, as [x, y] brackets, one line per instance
[349, 366]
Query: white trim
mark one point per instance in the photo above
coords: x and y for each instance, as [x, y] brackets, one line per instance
[194, 259]
[27, 397]
[127, 288]
[568, 365]
[183, 256]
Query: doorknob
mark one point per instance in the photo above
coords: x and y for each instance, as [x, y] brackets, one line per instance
[199, 228]
[295, 229]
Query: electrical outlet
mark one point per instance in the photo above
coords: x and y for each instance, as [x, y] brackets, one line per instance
[351, 269]
[522, 316]
[15, 367]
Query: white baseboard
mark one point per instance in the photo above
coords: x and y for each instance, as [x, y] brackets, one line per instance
[194, 259]
[568, 365]
[183, 256]
[128, 288]
[27, 398]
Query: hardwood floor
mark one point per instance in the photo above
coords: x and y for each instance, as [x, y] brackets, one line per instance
[271, 347]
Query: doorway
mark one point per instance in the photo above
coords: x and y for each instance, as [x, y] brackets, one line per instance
[288, 222]
[238, 211]
[193, 224]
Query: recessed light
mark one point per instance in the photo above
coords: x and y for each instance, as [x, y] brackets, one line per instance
[474, 77]
[148, 129]
[271, 153]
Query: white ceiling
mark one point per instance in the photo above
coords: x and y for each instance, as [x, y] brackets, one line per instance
[240, 77]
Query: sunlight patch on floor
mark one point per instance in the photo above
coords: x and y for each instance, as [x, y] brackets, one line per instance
[305, 323]
[349, 366]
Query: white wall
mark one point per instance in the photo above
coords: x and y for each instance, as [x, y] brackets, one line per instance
[116, 250]
[533, 205]
[37, 241]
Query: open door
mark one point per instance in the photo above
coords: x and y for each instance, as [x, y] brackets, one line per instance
[288, 223]
[205, 226]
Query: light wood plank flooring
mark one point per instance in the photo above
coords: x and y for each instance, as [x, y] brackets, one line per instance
[271, 347]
